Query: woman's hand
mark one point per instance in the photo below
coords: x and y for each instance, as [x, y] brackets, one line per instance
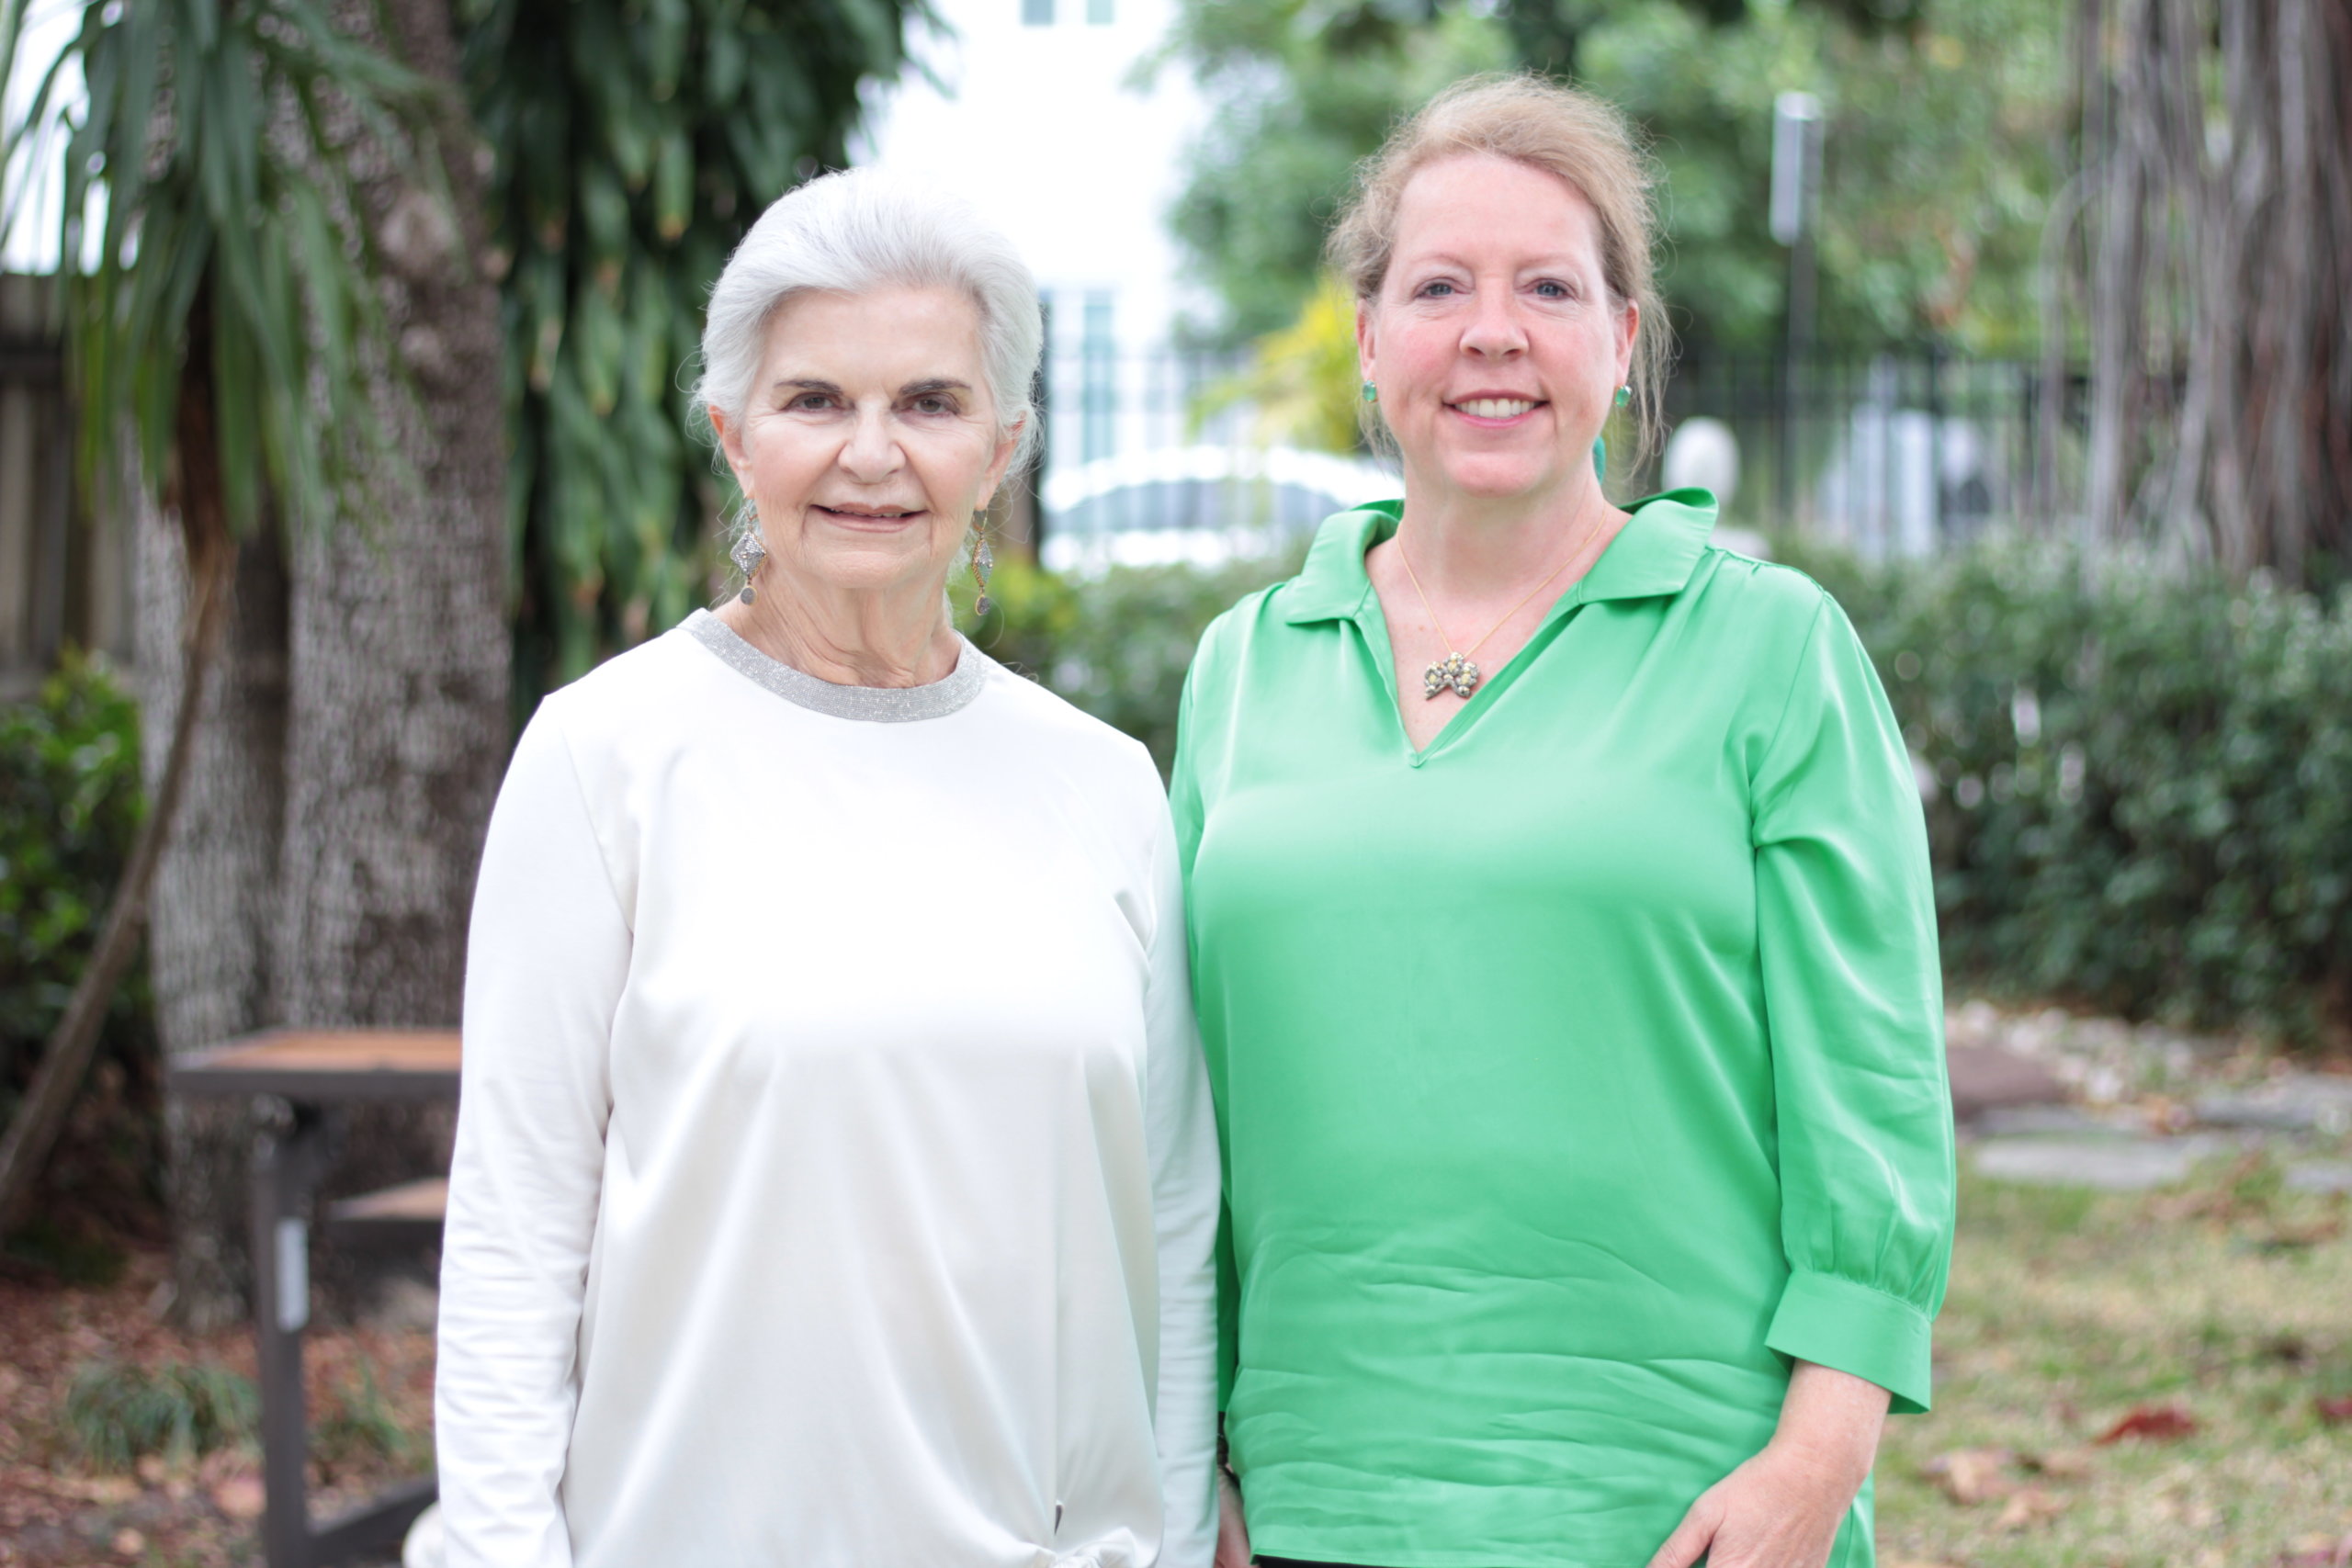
[1782, 1509]
[1232, 1535]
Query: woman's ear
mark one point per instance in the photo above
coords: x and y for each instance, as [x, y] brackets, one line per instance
[1005, 448]
[731, 442]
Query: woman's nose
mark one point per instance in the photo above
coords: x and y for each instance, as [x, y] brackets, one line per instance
[872, 451]
[1494, 330]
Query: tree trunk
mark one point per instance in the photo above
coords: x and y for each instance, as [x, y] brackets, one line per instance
[2218, 138]
[209, 945]
[210, 554]
[328, 880]
[399, 726]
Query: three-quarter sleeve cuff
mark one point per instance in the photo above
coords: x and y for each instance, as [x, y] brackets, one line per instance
[1856, 1329]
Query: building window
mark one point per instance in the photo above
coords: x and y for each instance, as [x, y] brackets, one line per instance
[1098, 369]
[1099, 12]
[1039, 13]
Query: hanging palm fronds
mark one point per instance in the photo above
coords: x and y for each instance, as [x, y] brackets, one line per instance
[635, 141]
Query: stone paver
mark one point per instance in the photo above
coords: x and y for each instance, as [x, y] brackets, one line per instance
[2113, 1164]
[2320, 1176]
[1987, 1077]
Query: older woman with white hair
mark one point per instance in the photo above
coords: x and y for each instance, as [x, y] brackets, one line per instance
[835, 1180]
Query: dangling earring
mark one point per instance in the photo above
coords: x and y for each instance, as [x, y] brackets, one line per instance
[983, 562]
[1371, 392]
[748, 553]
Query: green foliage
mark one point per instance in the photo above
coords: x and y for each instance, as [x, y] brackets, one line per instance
[1116, 646]
[1300, 91]
[359, 1428]
[1938, 162]
[635, 141]
[2144, 779]
[115, 1414]
[1303, 381]
[2144, 795]
[70, 804]
[216, 140]
[1942, 117]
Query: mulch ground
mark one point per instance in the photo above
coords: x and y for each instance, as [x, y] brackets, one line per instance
[57, 1509]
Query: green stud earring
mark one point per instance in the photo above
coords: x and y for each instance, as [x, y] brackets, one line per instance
[1624, 396]
[1370, 393]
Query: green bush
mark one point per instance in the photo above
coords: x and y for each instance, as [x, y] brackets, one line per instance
[1117, 645]
[2143, 797]
[2142, 794]
[70, 804]
[116, 1414]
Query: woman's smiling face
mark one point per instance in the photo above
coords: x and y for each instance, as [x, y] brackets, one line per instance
[869, 439]
[1496, 342]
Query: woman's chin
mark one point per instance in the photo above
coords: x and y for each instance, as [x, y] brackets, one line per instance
[1494, 478]
[877, 564]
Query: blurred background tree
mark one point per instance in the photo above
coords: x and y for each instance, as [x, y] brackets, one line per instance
[1945, 123]
[632, 142]
[270, 339]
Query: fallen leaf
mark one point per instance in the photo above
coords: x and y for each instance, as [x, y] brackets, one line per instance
[2316, 1551]
[2333, 1411]
[107, 1491]
[129, 1543]
[1970, 1476]
[239, 1497]
[2060, 1464]
[2029, 1508]
[2158, 1423]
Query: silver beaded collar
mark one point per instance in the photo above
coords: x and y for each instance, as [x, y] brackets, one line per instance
[875, 704]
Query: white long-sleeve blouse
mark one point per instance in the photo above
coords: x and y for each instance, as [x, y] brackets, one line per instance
[835, 1182]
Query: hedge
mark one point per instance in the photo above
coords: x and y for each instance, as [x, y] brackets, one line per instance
[2141, 777]
[70, 803]
[2141, 795]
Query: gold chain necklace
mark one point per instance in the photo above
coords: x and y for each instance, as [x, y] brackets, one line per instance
[1455, 671]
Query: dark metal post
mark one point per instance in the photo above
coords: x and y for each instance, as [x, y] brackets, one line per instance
[285, 1164]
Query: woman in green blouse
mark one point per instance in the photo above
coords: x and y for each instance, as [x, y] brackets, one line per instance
[1564, 948]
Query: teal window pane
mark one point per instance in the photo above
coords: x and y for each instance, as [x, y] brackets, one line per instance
[1098, 372]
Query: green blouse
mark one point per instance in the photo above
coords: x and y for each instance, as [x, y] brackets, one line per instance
[1576, 1073]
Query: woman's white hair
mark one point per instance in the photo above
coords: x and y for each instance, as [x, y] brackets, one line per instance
[858, 230]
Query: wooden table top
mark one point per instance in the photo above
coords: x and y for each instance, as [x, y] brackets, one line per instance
[325, 1065]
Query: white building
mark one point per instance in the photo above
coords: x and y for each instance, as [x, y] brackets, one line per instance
[1035, 111]
[1046, 114]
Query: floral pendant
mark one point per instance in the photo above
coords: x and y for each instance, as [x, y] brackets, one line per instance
[1453, 673]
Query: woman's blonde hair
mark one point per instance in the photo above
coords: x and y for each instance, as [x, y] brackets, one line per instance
[1573, 135]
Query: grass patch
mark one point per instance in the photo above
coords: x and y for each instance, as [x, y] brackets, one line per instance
[115, 1415]
[2228, 1302]
[358, 1429]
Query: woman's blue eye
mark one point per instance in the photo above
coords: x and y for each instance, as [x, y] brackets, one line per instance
[1435, 288]
[1552, 290]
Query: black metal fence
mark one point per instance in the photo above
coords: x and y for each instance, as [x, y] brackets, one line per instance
[1894, 453]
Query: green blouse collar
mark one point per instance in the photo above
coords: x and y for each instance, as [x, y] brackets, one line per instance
[1653, 555]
